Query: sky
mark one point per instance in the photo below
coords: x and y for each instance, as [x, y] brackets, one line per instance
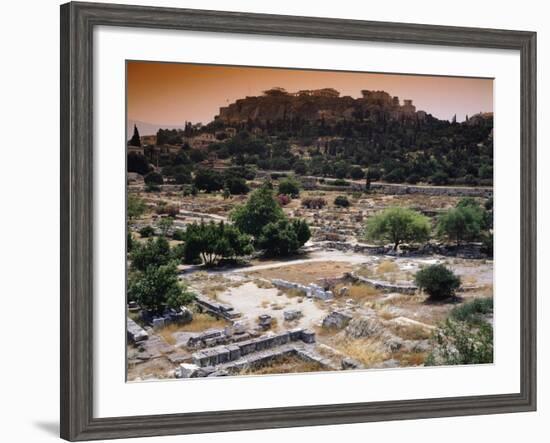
[173, 93]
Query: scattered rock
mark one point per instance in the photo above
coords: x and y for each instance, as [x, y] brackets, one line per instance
[337, 320]
[186, 370]
[350, 363]
[292, 314]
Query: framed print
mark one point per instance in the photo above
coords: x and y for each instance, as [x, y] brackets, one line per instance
[273, 221]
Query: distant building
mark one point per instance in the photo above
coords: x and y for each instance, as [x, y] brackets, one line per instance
[202, 140]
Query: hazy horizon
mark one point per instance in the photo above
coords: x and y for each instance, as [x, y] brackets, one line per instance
[169, 94]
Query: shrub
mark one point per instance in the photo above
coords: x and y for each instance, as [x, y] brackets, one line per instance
[147, 231]
[459, 343]
[135, 207]
[438, 281]
[439, 178]
[289, 187]
[356, 173]
[283, 199]
[236, 185]
[340, 182]
[208, 180]
[341, 201]
[156, 288]
[155, 252]
[473, 311]
[314, 202]
[178, 234]
[153, 178]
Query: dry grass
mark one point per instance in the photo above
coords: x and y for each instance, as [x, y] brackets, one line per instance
[305, 273]
[157, 368]
[200, 322]
[365, 350]
[285, 365]
[385, 313]
[386, 267]
[292, 292]
[263, 284]
[410, 358]
[411, 332]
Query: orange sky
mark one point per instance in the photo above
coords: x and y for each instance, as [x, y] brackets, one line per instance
[172, 93]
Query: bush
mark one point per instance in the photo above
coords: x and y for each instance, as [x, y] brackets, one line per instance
[283, 199]
[340, 182]
[439, 282]
[439, 178]
[289, 187]
[341, 201]
[461, 223]
[236, 185]
[153, 178]
[156, 288]
[461, 343]
[208, 180]
[356, 173]
[135, 207]
[147, 231]
[473, 311]
[178, 234]
[153, 253]
[314, 202]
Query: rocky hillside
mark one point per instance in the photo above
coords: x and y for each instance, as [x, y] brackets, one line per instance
[311, 105]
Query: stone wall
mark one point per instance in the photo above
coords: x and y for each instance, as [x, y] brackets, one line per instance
[385, 285]
[312, 290]
[232, 352]
[451, 191]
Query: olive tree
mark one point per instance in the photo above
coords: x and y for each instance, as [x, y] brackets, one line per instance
[398, 225]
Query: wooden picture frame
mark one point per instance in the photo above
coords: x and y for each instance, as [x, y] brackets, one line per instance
[77, 23]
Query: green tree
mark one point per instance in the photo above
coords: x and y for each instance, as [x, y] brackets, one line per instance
[158, 287]
[341, 201]
[398, 225]
[260, 209]
[208, 180]
[438, 281]
[165, 224]
[153, 253]
[356, 173]
[153, 178]
[135, 140]
[279, 239]
[303, 233]
[137, 163]
[290, 187]
[461, 223]
[213, 242]
[236, 185]
[135, 207]
[147, 231]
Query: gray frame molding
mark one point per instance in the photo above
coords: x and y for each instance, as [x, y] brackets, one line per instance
[77, 23]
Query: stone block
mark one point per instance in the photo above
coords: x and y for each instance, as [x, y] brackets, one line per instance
[308, 336]
[158, 323]
[234, 352]
[187, 370]
[292, 314]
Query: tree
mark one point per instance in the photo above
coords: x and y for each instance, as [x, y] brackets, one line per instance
[303, 233]
[280, 238]
[135, 207]
[208, 180]
[300, 168]
[260, 209]
[341, 201]
[398, 225]
[439, 178]
[137, 163]
[213, 242]
[165, 224]
[356, 173]
[153, 253]
[438, 281]
[461, 223]
[147, 231]
[236, 185]
[290, 187]
[135, 140]
[158, 287]
[153, 178]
